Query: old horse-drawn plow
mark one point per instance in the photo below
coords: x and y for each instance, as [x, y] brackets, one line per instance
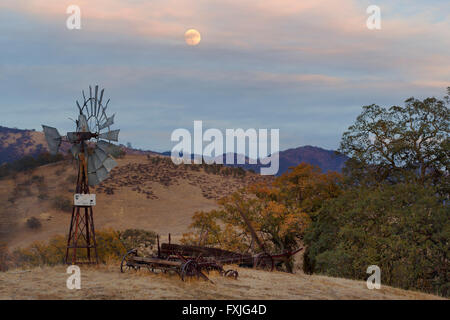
[194, 261]
[175, 262]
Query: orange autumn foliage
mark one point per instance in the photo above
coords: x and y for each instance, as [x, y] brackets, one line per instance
[279, 212]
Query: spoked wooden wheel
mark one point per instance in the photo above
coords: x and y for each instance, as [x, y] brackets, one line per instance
[231, 274]
[189, 269]
[125, 265]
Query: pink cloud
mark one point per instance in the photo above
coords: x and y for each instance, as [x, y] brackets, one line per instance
[232, 19]
[331, 30]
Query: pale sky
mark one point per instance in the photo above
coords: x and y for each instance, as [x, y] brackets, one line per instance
[304, 67]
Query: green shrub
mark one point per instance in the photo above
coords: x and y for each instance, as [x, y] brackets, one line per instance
[34, 223]
[28, 163]
[404, 229]
[5, 257]
[62, 203]
[109, 247]
[133, 238]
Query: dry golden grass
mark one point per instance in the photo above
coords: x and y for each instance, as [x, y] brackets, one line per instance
[30, 141]
[106, 282]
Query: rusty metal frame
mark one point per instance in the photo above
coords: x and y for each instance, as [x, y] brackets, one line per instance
[81, 224]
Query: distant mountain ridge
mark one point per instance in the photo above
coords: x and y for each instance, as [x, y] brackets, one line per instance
[326, 160]
[16, 143]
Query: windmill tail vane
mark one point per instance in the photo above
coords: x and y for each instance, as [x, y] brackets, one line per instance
[91, 146]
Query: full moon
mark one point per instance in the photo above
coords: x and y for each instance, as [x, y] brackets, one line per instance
[192, 37]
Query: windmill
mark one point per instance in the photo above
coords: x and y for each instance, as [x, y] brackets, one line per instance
[92, 149]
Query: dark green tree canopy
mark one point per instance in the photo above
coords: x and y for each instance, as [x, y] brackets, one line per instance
[400, 143]
[402, 228]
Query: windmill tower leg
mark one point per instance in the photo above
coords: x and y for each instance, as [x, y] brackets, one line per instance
[94, 242]
[69, 238]
[88, 238]
[81, 237]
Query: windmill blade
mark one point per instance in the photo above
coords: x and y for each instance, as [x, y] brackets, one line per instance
[98, 176]
[103, 116]
[110, 135]
[100, 102]
[97, 162]
[75, 149]
[53, 139]
[106, 105]
[99, 158]
[109, 163]
[90, 97]
[82, 123]
[106, 146]
[102, 174]
[95, 101]
[79, 107]
[109, 122]
[100, 154]
[92, 179]
[90, 164]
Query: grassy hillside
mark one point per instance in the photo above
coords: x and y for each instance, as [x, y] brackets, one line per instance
[16, 143]
[106, 282]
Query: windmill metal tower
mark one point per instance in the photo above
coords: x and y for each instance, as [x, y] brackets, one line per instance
[92, 149]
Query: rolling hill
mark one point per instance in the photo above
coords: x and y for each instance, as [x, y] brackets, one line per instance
[17, 143]
[143, 192]
[326, 160]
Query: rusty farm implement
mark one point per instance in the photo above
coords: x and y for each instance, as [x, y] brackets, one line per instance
[195, 261]
[174, 262]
